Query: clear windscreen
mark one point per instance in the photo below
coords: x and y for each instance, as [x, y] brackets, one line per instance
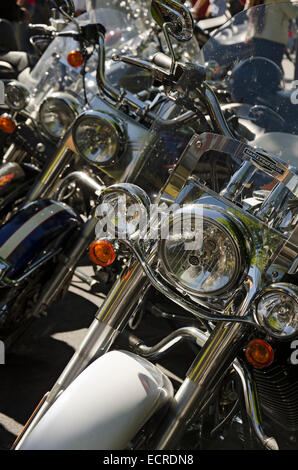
[128, 32]
[253, 58]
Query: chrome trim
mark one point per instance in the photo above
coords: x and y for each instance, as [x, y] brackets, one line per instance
[248, 385]
[251, 405]
[186, 333]
[66, 267]
[235, 231]
[210, 365]
[83, 178]
[197, 310]
[73, 104]
[215, 112]
[50, 174]
[116, 124]
[14, 154]
[287, 257]
[24, 90]
[283, 288]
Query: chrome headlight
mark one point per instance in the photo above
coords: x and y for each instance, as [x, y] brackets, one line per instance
[123, 211]
[17, 96]
[277, 310]
[98, 137]
[57, 112]
[205, 252]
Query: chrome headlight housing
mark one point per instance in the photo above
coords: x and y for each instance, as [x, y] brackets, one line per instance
[205, 253]
[57, 112]
[277, 310]
[98, 137]
[123, 211]
[17, 96]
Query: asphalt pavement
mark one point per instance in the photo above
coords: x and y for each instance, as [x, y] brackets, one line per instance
[35, 362]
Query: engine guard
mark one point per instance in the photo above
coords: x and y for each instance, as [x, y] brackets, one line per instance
[36, 230]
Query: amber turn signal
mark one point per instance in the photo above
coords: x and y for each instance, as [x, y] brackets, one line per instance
[102, 253]
[7, 125]
[75, 59]
[259, 353]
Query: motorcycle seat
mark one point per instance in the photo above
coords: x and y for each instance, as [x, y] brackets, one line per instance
[7, 70]
[7, 37]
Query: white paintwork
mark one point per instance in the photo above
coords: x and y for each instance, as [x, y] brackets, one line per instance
[104, 407]
[285, 146]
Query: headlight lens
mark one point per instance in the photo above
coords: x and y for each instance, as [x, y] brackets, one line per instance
[277, 310]
[56, 116]
[123, 211]
[209, 256]
[97, 137]
[17, 96]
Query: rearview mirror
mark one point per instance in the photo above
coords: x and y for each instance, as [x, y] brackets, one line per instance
[175, 15]
[67, 6]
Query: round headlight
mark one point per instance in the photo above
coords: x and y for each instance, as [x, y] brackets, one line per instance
[98, 137]
[277, 310]
[56, 114]
[17, 96]
[205, 253]
[123, 211]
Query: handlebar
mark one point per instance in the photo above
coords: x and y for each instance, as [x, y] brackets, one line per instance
[43, 27]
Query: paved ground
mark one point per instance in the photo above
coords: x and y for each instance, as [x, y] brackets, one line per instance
[35, 363]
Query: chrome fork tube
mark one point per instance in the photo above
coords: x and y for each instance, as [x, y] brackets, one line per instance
[14, 154]
[109, 322]
[62, 272]
[52, 171]
[204, 374]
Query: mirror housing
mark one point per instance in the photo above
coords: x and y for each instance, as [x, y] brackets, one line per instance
[176, 16]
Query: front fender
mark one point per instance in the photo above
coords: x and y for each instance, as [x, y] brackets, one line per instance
[34, 230]
[104, 407]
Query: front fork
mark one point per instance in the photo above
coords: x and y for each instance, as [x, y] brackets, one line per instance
[210, 365]
[46, 183]
[110, 320]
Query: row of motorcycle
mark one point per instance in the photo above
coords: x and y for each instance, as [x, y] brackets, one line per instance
[123, 113]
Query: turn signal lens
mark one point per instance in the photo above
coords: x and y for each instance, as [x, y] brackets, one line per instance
[259, 353]
[7, 125]
[75, 59]
[102, 253]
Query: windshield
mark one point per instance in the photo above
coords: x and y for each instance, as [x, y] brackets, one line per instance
[252, 59]
[128, 32]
